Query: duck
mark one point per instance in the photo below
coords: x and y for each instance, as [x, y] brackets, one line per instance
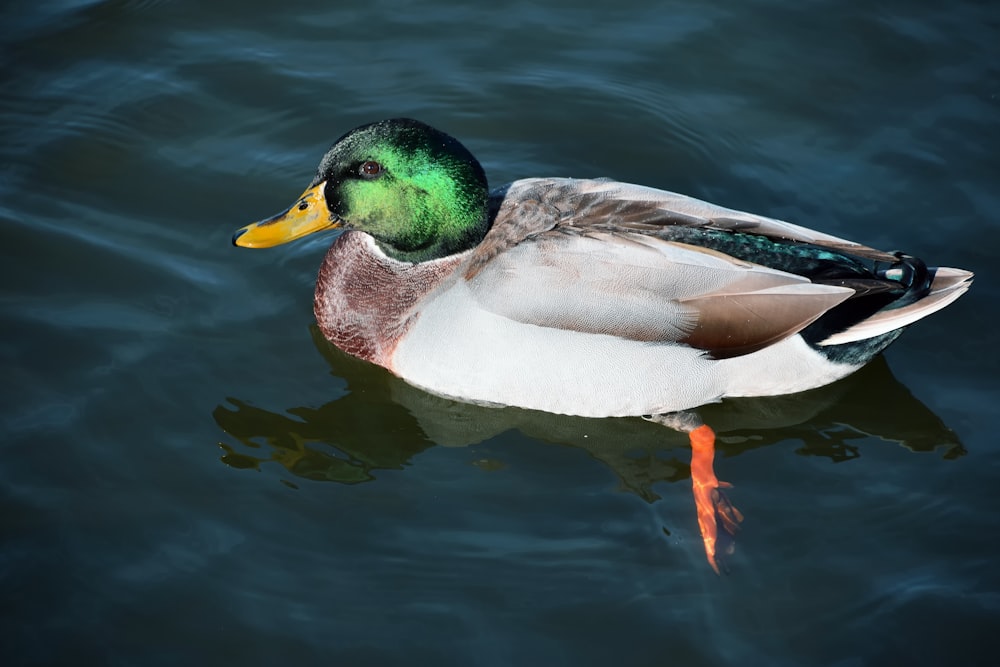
[587, 297]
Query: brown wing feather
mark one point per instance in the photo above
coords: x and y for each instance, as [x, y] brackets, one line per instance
[730, 325]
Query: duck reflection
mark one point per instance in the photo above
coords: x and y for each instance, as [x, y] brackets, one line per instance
[383, 423]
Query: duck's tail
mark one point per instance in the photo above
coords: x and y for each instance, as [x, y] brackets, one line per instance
[929, 290]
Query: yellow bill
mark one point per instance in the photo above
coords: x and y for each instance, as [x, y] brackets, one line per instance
[309, 214]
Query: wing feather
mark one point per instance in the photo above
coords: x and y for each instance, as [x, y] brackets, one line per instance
[603, 202]
[639, 287]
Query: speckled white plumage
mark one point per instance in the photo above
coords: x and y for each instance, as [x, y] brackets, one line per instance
[489, 358]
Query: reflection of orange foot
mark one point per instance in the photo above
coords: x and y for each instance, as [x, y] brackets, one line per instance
[714, 508]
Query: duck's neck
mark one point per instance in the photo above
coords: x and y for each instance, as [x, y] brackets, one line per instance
[365, 298]
[434, 234]
[442, 245]
[424, 216]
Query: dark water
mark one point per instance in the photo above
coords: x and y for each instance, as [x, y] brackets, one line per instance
[190, 476]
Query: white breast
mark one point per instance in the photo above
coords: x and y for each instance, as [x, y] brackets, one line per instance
[457, 349]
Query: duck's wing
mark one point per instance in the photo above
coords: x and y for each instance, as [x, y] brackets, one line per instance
[549, 264]
[604, 202]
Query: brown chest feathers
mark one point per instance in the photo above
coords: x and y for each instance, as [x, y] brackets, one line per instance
[365, 300]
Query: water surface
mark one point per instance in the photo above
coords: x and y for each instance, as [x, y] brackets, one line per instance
[190, 474]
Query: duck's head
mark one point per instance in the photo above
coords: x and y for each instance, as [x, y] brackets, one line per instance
[419, 192]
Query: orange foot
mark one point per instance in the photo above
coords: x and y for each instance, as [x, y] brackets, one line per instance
[714, 509]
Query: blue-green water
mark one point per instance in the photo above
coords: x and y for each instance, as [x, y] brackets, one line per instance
[189, 475]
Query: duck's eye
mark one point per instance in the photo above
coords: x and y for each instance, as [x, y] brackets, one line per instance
[370, 169]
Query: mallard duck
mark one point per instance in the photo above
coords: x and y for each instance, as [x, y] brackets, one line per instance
[585, 297]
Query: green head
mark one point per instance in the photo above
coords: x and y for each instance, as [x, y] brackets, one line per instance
[419, 192]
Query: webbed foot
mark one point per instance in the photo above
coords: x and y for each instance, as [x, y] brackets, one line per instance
[715, 511]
